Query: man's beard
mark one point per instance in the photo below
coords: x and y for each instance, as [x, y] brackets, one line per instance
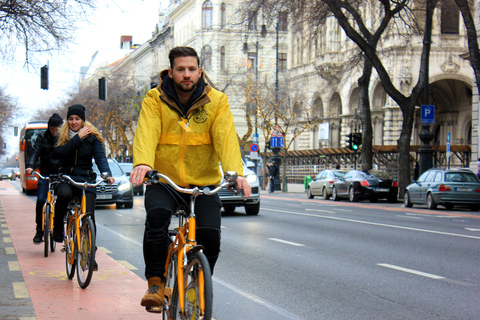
[179, 86]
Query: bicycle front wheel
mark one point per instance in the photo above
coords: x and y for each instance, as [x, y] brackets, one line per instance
[198, 292]
[47, 210]
[86, 253]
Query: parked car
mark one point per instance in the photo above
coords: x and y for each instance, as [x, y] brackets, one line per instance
[120, 192]
[127, 167]
[7, 173]
[444, 187]
[252, 204]
[322, 184]
[373, 185]
[17, 172]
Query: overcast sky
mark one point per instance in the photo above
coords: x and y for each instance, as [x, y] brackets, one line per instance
[111, 20]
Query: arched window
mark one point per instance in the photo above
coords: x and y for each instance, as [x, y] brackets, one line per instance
[207, 13]
[206, 57]
[223, 15]
[222, 59]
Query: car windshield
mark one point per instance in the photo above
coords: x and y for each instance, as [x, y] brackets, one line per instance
[6, 171]
[114, 167]
[380, 174]
[338, 174]
[460, 177]
[127, 167]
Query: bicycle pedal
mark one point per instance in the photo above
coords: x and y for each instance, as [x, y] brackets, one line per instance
[154, 309]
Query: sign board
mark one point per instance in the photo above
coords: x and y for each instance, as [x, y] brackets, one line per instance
[255, 138]
[428, 113]
[254, 155]
[254, 147]
[448, 144]
[276, 142]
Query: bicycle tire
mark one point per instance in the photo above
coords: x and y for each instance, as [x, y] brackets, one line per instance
[170, 280]
[197, 262]
[86, 252]
[53, 244]
[70, 246]
[46, 228]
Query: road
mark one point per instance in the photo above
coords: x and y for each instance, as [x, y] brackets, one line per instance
[316, 259]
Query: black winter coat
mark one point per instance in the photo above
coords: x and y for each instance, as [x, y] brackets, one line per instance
[77, 156]
[42, 150]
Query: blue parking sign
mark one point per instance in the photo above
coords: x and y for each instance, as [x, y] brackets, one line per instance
[428, 113]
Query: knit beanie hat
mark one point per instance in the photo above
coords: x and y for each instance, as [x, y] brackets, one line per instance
[55, 120]
[78, 110]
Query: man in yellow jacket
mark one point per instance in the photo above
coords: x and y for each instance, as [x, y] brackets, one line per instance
[184, 130]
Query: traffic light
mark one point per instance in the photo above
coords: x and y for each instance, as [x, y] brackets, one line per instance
[102, 88]
[267, 144]
[349, 141]
[357, 140]
[44, 78]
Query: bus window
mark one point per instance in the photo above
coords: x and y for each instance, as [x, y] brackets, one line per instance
[28, 135]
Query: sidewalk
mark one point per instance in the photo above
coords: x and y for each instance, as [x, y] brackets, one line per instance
[35, 287]
[291, 188]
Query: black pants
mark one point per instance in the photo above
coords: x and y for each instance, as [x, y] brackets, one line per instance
[160, 204]
[65, 193]
[42, 193]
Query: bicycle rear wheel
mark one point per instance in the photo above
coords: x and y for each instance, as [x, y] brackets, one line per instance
[170, 281]
[47, 210]
[86, 252]
[197, 271]
[70, 246]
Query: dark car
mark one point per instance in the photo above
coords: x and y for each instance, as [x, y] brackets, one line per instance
[444, 187]
[120, 192]
[127, 167]
[8, 173]
[373, 185]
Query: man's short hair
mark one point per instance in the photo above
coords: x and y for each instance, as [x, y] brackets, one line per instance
[182, 52]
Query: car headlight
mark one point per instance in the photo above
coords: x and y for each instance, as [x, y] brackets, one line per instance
[251, 178]
[125, 186]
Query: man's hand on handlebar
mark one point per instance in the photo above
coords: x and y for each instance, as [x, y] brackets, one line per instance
[29, 170]
[242, 184]
[138, 174]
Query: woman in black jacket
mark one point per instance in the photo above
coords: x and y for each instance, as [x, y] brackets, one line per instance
[78, 143]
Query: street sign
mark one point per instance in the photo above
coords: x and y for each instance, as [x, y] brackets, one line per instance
[255, 138]
[254, 147]
[276, 142]
[428, 113]
[254, 155]
[448, 145]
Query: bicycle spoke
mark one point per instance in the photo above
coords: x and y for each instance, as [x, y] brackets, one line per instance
[86, 253]
[70, 246]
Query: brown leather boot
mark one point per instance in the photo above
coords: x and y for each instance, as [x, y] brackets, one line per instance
[154, 296]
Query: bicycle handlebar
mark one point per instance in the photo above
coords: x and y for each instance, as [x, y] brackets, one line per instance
[85, 184]
[230, 177]
[38, 174]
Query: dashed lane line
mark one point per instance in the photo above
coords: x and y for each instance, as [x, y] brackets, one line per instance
[14, 266]
[287, 242]
[419, 273]
[127, 265]
[20, 290]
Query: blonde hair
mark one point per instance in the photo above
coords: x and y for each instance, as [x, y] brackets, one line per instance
[64, 135]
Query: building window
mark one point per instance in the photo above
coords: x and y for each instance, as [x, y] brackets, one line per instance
[222, 58]
[206, 57]
[207, 11]
[282, 61]
[450, 17]
[252, 20]
[223, 15]
[282, 21]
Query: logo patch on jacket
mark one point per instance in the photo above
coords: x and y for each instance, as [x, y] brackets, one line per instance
[200, 116]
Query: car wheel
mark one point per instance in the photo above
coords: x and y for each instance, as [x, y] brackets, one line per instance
[128, 205]
[334, 194]
[431, 204]
[229, 209]
[325, 194]
[406, 200]
[353, 197]
[448, 206]
[309, 193]
[252, 210]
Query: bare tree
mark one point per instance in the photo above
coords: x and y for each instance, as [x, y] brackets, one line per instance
[39, 26]
[8, 107]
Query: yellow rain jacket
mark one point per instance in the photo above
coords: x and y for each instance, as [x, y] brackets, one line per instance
[188, 148]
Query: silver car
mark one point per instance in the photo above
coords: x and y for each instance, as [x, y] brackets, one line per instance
[444, 187]
[322, 184]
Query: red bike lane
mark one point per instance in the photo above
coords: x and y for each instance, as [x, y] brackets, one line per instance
[114, 292]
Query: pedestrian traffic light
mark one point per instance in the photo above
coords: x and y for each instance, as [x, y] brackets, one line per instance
[44, 78]
[349, 141]
[102, 88]
[357, 140]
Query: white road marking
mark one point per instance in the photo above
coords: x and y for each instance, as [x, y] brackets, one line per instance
[417, 214]
[20, 290]
[318, 210]
[402, 216]
[419, 273]
[287, 242]
[376, 224]
[472, 229]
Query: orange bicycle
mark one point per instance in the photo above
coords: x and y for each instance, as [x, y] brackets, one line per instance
[80, 235]
[188, 286]
[48, 213]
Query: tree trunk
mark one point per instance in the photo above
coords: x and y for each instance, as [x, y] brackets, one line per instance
[403, 145]
[365, 115]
